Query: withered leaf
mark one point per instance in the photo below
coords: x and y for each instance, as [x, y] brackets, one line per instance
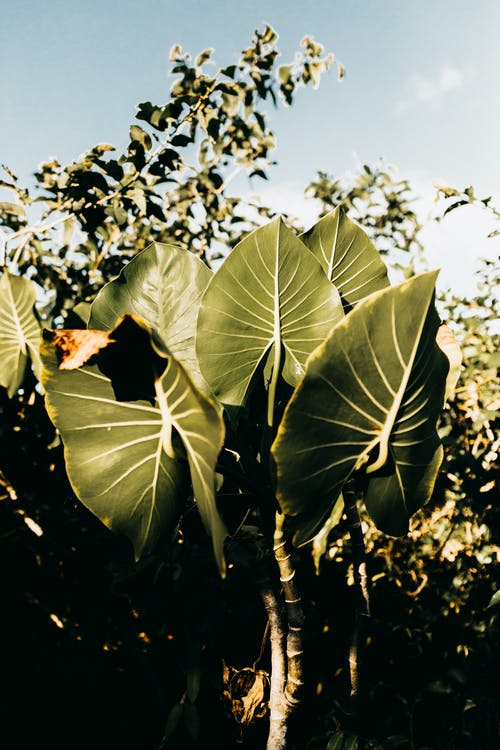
[75, 347]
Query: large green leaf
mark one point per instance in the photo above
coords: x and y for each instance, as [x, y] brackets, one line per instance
[371, 398]
[127, 457]
[19, 331]
[163, 285]
[269, 299]
[347, 255]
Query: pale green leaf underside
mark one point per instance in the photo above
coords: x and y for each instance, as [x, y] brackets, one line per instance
[19, 331]
[348, 257]
[269, 296]
[370, 398]
[163, 285]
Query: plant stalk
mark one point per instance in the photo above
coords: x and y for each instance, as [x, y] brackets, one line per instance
[361, 584]
[277, 706]
[295, 616]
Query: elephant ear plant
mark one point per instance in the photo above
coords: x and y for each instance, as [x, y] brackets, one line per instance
[295, 369]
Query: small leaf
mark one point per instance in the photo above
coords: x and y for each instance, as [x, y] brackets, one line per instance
[175, 52]
[181, 140]
[445, 339]
[193, 682]
[204, 56]
[173, 719]
[320, 541]
[284, 73]
[495, 600]
[13, 208]
[140, 135]
[191, 720]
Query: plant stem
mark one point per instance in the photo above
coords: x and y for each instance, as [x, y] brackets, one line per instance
[361, 583]
[294, 647]
[286, 625]
[277, 706]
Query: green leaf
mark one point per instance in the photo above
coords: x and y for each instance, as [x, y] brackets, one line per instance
[270, 299]
[127, 424]
[449, 345]
[163, 285]
[15, 209]
[173, 719]
[284, 73]
[370, 398]
[82, 312]
[348, 257]
[140, 135]
[495, 600]
[342, 741]
[320, 541]
[19, 331]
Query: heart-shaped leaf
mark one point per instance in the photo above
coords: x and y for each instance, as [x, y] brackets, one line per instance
[348, 257]
[19, 331]
[128, 460]
[163, 285]
[370, 398]
[270, 298]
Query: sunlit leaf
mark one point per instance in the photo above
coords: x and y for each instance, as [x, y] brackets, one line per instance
[448, 343]
[495, 599]
[348, 257]
[132, 425]
[270, 299]
[370, 399]
[163, 285]
[320, 541]
[15, 209]
[19, 331]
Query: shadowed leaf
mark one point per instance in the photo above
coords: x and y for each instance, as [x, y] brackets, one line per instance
[129, 460]
[19, 331]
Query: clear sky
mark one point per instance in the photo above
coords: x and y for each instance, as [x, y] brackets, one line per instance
[421, 91]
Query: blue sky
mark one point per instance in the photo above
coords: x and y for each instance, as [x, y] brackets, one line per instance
[421, 91]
